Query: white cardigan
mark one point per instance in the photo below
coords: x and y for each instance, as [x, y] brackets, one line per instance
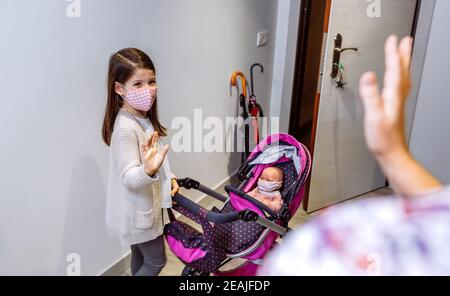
[134, 199]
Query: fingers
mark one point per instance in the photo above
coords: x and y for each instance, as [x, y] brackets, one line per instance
[393, 94]
[175, 188]
[151, 153]
[391, 52]
[164, 151]
[148, 142]
[393, 63]
[155, 139]
[369, 91]
[145, 152]
[405, 51]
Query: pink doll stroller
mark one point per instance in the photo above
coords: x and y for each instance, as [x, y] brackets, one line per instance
[244, 228]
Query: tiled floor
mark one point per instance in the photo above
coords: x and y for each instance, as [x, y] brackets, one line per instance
[174, 266]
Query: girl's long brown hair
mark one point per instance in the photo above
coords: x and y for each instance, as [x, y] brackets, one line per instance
[122, 65]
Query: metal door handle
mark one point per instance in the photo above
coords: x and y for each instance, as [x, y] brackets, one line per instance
[337, 54]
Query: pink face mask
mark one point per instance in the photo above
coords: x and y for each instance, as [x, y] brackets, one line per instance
[141, 100]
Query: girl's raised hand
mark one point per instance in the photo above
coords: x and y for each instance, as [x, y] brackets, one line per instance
[152, 157]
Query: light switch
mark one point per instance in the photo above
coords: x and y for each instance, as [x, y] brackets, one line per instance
[262, 38]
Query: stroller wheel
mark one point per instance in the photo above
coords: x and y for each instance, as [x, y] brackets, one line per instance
[189, 271]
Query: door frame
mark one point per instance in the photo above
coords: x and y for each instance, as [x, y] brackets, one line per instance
[313, 24]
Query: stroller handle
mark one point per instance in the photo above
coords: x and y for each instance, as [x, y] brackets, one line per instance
[189, 183]
[240, 193]
[211, 216]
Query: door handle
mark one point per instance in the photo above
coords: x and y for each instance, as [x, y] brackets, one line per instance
[338, 50]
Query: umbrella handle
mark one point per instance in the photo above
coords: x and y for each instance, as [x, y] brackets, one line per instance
[233, 81]
[261, 67]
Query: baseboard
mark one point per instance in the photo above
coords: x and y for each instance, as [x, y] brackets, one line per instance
[123, 265]
[120, 267]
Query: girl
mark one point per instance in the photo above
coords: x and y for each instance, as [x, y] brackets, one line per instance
[140, 180]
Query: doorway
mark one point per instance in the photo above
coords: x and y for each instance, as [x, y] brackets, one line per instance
[338, 40]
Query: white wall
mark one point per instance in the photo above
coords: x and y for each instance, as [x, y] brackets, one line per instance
[52, 78]
[430, 138]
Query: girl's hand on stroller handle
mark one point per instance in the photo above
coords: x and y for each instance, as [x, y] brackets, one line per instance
[175, 187]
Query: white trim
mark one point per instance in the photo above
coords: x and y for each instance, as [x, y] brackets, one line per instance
[288, 17]
[418, 59]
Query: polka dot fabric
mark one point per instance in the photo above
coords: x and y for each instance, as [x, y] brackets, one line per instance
[217, 240]
[290, 175]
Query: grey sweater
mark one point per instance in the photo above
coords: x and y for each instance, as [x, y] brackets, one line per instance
[134, 199]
